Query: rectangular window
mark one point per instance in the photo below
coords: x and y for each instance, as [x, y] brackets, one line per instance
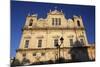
[52, 21]
[26, 43]
[59, 21]
[56, 42]
[71, 42]
[56, 20]
[39, 43]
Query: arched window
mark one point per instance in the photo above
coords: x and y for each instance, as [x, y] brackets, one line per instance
[31, 21]
[78, 23]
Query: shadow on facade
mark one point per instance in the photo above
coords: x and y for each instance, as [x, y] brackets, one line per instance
[79, 52]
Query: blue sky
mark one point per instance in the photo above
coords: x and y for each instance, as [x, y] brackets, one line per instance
[20, 10]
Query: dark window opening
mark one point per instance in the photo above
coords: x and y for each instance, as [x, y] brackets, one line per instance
[71, 42]
[31, 21]
[52, 21]
[26, 43]
[78, 23]
[56, 20]
[39, 43]
[56, 42]
[59, 21]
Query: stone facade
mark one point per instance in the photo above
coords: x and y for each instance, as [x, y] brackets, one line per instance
[40, 36]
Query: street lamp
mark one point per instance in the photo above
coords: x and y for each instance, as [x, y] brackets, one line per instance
[58, 45]
[61, 40]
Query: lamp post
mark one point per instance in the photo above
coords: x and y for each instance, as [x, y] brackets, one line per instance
[58, 46]
[61, 40]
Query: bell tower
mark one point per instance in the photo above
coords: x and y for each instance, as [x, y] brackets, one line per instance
[80, 30]
[31, 20]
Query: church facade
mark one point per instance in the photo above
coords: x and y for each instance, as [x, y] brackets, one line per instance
[52, 38]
